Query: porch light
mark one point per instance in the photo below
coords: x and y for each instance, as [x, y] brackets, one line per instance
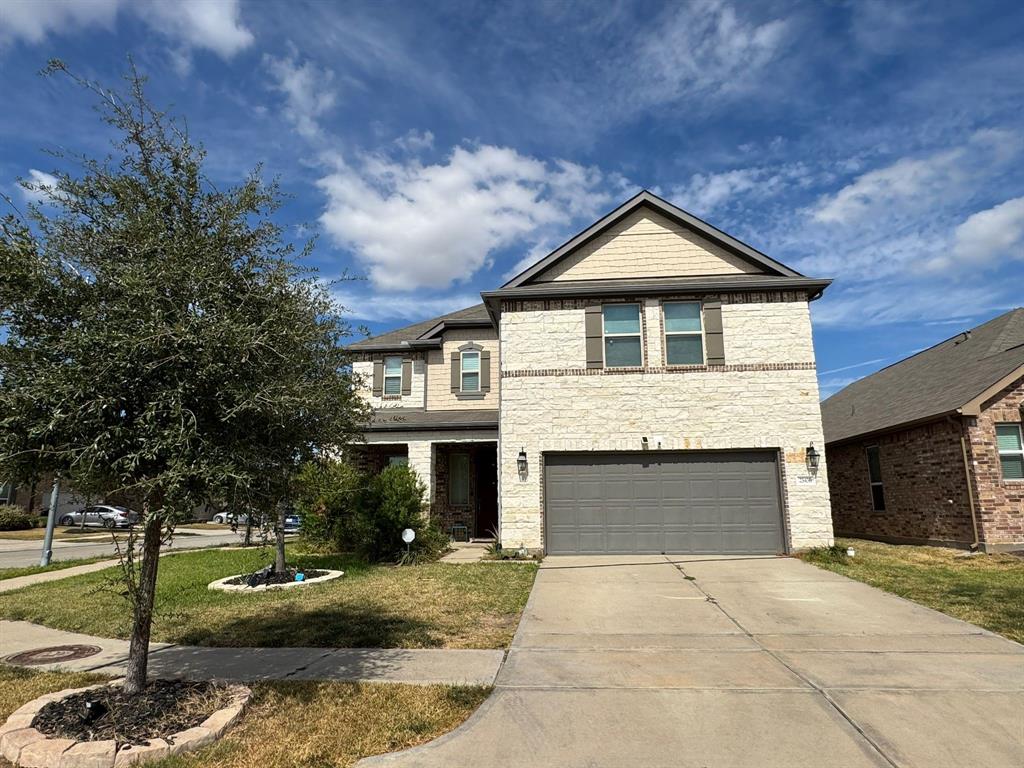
[1021, 409]
[521, 462]
[813, 458]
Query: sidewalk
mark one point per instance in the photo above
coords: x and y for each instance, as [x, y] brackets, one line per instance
[371, 665]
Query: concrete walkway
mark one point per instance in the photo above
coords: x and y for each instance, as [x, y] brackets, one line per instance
[373, 665]
[737, 663]
[466, 552]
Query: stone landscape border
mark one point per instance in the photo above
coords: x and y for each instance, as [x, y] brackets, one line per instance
[23, 745]
[223, 586]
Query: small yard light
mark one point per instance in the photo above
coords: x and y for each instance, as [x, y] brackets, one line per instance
[850, 552]
[521, 462]
[813, 458]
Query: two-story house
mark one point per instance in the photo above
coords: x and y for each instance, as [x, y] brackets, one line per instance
[648, 387]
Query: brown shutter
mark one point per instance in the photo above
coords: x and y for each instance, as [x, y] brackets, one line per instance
[456, 372]
[407, 377]
[378, 378]
[713, 332]
[595, 337]
[485, 371]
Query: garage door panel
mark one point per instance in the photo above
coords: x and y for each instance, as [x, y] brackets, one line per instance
[699, 502]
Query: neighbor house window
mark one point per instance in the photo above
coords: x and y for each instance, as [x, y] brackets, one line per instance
[458, 479]
[392, 375]
[6, 493]
[684, 340]
[875, 478]
[1010, 439]
[470, 371]
[622, 345]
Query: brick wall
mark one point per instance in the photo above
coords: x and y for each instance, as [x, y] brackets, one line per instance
[923, 479]
[1000, 502]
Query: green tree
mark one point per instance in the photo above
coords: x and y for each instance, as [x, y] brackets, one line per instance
[163, 343]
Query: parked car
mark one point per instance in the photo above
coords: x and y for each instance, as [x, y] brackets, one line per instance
[221, 518]
[101, 516]
[292, 522]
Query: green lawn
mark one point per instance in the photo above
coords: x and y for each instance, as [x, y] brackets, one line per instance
[292, 724]
[56, 565]
[987, 590]
[436, 605]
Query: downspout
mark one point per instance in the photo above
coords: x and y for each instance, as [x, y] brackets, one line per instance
[970, 488]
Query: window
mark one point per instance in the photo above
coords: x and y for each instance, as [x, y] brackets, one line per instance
[458, 479]
[1010, 440]
[875, 478]
[470, 371]
[684, 342]
[401, 461]
[6, 493]
[622, 347]
[392, 376]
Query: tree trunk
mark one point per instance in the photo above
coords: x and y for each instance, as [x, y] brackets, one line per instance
[142, 615]
[279, 564]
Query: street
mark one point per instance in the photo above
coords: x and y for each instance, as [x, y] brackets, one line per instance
[18, 554]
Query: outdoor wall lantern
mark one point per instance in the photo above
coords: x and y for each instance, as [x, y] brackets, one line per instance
[521, 462]
[1021, 409]
[813, 459]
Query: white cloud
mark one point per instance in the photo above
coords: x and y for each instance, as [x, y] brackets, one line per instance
[30, 187]
[416, 141]
[427, 226]
[993, 234]
[307, 89]
[707, 193]
[384, 307]
[873, 361]
[213, 25]
[702, 48]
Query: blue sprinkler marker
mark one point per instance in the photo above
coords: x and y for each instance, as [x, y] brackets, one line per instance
[300, 576]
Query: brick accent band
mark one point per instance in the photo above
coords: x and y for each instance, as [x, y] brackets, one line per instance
[738, 368]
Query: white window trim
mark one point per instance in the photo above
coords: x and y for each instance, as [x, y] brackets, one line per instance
[873, 483]
[478, 371]
[384, 391]
[1001, 452]
[639, 334]
[667, 333]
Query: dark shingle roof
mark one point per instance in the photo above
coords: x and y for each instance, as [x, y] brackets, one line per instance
[399, 419]
[414, 331]
[938, 381]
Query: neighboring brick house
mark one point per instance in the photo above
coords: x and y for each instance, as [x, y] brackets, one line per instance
[929, 450]
[649, 386]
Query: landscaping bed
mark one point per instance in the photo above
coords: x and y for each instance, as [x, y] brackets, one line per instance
[291, 724]
[987, 590]
[434, 605]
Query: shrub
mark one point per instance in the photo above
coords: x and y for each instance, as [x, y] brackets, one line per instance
[391, 502]
[14, 518]
[326, 494]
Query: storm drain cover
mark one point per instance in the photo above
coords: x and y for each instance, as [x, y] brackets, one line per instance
[54, 655]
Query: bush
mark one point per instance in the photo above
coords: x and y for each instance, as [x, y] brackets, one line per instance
[392, 502]
[14, 518]
[326, 494]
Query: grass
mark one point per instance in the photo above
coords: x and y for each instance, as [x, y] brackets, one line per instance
[437, 605]
[38, 534]
[56, 565]
[987, 590]
[297, 724]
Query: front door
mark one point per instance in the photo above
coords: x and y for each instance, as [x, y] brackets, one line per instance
[487, 494]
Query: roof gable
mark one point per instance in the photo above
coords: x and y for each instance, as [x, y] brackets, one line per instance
[649, 237]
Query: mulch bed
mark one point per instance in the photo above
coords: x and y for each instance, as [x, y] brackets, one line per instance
[274, 577]
[163, 709]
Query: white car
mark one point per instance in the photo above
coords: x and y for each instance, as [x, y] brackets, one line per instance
[222, 518]
[101, 516]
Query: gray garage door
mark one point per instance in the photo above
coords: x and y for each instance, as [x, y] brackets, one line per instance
[677, 503]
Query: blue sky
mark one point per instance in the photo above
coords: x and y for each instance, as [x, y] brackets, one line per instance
[436, 146]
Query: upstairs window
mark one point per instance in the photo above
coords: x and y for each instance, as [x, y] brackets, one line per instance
[1010, 440]
[470, 371]
[875, 479]
[622, 344]
[393, 375]
[684, 337]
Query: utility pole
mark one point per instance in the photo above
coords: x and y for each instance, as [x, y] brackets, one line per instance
[51, 518]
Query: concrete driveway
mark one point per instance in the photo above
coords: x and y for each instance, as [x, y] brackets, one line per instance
[730, 662]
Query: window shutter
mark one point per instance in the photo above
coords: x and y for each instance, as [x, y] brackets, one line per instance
[713, 332]
[485, 371]
[456, 372]
[407, 377]
[378, 378]
[595, 337]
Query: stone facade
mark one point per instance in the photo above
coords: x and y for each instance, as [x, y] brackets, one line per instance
[926, 484]
[646, 244]
[551, 402]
